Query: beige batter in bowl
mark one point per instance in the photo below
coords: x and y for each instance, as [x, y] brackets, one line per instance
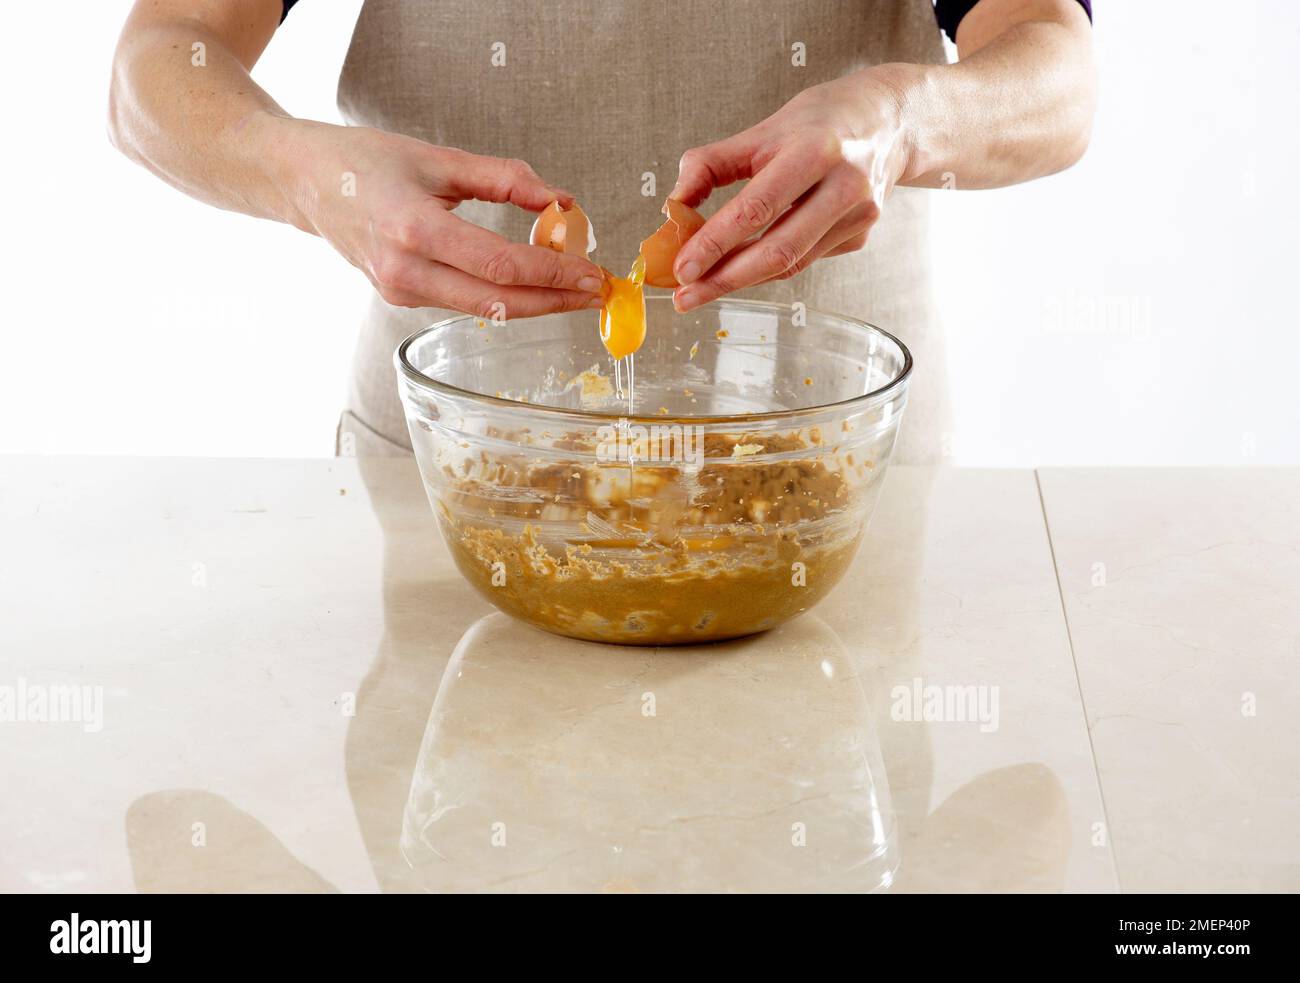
[724, 494]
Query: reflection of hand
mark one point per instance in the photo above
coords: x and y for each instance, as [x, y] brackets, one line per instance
[821, 168]
[398, 227]
[239, 853]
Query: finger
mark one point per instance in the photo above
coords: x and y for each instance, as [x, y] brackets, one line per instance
[425, 283]
[483, 254]
[850, 245]
[784, 244]
[715, 165]
[848, 235]
[772, 190]
[830, 245]
[499, 179]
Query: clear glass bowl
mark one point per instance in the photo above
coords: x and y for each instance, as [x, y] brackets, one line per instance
[728, 497]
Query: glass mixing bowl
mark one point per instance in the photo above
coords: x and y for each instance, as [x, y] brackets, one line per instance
[721, 491]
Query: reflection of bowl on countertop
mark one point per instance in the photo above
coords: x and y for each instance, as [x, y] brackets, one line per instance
[552, 765]
[731, 499]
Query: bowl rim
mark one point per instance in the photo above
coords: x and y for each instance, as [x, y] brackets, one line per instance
[420, 380]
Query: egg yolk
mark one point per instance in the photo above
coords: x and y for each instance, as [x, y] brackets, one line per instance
[622, 316]
[622, 319]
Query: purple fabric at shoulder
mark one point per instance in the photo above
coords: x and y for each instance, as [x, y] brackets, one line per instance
[950, 13]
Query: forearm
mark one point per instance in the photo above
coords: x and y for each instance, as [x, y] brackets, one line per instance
[207, 128]
[1017, 106]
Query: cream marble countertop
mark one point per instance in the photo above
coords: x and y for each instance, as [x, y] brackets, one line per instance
[1182, 590]
[281, 683]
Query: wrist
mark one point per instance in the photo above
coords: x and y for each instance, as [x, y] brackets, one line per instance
[282, 156]
[908, 92]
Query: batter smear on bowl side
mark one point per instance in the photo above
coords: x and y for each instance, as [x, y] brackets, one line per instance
[659, 554]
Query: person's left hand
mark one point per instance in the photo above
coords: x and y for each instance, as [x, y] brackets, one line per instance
[821, 168]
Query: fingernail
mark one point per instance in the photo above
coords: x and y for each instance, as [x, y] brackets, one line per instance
[591, 284]
[595, 302]
[684, 300]
[689, 272]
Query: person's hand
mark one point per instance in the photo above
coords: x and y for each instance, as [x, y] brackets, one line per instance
[820, 169]
[385, 202]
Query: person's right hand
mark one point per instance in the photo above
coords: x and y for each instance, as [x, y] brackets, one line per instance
[399, 230]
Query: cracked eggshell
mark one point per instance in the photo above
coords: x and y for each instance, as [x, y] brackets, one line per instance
[564, 230]
[661, 249]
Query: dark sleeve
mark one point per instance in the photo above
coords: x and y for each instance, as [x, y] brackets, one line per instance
[949, 13]
[288, 4]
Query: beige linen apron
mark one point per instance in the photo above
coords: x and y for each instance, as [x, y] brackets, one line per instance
[594, 94]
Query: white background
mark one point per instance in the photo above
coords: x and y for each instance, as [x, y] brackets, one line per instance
[1137, 309]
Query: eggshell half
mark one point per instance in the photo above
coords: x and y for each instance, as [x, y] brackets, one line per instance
[661, 249]
[565, 231]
